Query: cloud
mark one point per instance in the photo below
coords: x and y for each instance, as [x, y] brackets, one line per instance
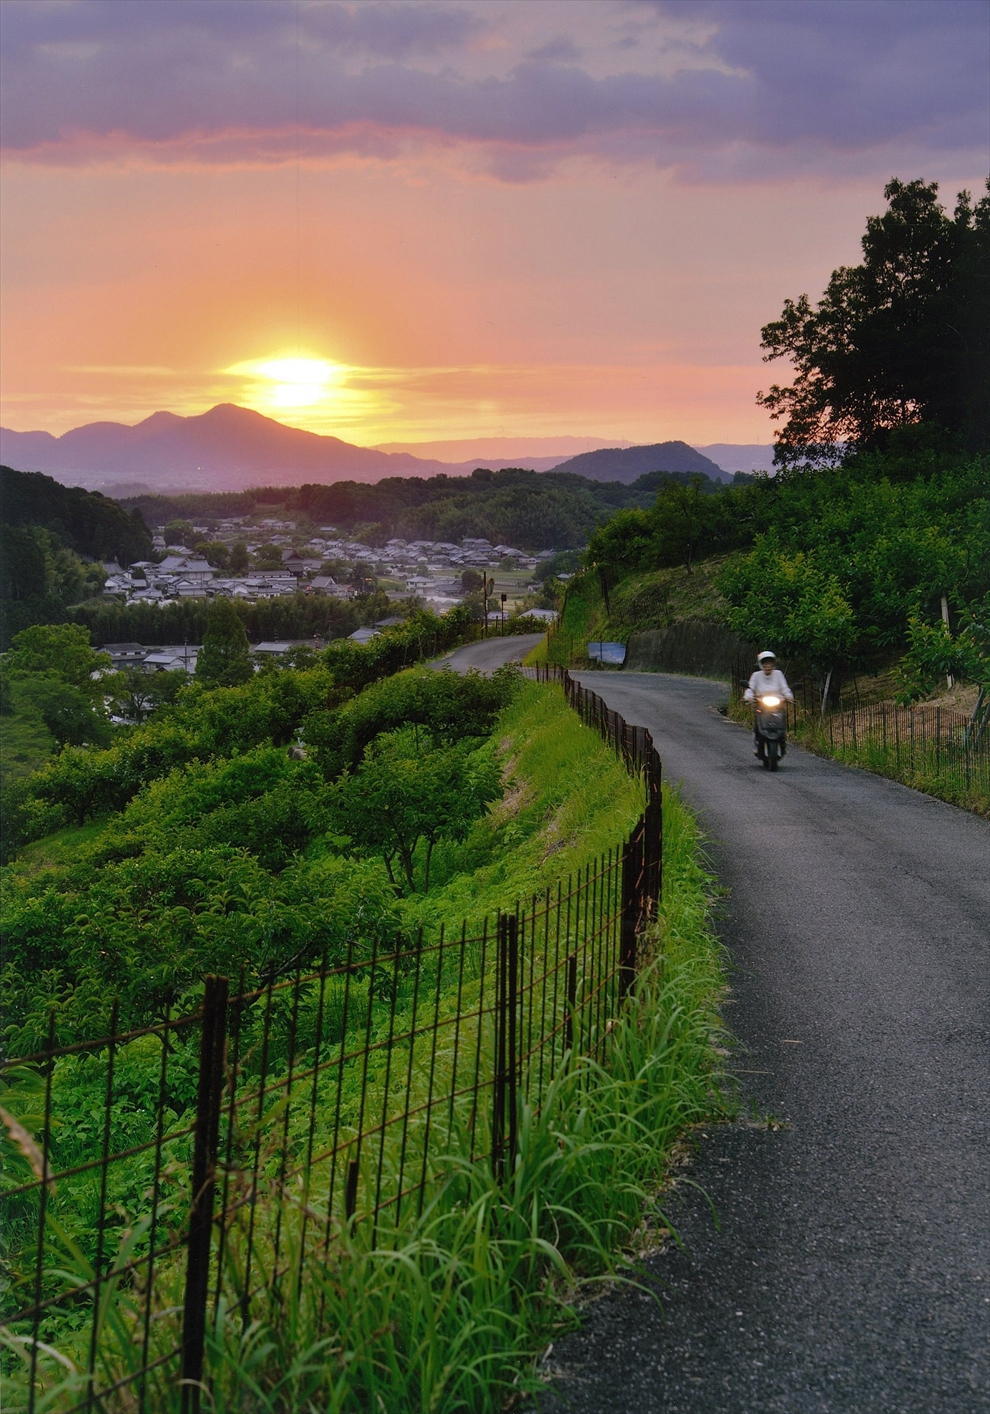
[744, 85]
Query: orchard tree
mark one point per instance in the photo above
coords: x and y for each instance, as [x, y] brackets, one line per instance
[407, 794]
[901, 339]
[790, 599]
[58, 650]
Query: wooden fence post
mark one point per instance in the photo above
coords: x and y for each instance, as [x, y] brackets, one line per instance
[206, 1133]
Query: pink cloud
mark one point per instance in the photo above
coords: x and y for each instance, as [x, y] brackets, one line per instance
[218, 81]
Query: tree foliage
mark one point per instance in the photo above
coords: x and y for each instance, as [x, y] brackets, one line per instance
[408, 793]
[210, 846]
[529, 509]
[871, 552]
[225, 658]
[900, 339]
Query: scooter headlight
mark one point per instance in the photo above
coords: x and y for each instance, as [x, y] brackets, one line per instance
[770, 701]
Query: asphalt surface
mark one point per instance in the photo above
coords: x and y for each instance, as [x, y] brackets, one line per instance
[847, 1267]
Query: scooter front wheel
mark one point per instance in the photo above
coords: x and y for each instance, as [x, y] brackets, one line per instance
[771, 757]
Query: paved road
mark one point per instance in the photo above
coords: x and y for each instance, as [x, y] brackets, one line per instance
[489, 653]
[849, 1272]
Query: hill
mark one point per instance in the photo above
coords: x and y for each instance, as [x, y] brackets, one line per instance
[627, 464]
[226, 448]
[52, 540]
[231, 448]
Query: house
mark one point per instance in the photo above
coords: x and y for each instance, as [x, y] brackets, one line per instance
[186, 567]
[125, 655]
[173, 658]
[323, 584]
[278, 648]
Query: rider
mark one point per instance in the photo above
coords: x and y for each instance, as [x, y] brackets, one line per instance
[767, 678]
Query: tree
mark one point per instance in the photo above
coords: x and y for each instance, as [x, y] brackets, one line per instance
[408, 793]
[225, 658]
[67, 711]
[178, 532]
[902, 339]
[214, 552]
[239, 560]
[790, 600]
[58, 650]
[135, 693]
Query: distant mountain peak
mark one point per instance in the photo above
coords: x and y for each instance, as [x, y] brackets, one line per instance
[627, 464]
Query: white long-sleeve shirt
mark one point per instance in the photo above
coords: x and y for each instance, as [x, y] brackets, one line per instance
[761, 683]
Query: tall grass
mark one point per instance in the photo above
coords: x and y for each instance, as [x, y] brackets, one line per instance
[929, 754]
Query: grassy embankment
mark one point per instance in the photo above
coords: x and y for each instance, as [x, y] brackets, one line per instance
[450, 1313]
[25, 741]
[640, 603]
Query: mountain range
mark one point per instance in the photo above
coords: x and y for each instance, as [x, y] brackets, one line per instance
[230, 448]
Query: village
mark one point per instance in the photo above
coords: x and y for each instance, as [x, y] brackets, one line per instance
[277, 560]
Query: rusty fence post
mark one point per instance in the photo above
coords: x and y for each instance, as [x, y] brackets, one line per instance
[629, 908]
[513, 1049]
[206, 1137]
[505, 1096]
[498, 1085]
[653, 819]
[570, 988]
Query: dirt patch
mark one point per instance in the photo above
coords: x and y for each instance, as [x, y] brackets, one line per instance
[961, 698]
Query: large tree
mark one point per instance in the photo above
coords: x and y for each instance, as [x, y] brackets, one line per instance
[225, 658]
[903, 338]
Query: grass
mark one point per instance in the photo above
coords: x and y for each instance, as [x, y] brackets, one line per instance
[25, 741]
[566, 799]
[944, 769]
[638, 604]
[54, 851]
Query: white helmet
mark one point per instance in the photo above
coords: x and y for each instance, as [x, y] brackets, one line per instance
[761, 657]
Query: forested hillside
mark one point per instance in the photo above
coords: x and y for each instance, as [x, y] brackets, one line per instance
[528, 509]
[52, 540]
[836, 568]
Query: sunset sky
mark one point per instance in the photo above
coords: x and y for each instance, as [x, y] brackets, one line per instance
[431, 219]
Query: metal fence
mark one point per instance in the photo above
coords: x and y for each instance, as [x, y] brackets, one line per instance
[912, 741]
[224, 1151]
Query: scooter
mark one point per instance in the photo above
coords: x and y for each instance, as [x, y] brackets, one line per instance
[771, 730]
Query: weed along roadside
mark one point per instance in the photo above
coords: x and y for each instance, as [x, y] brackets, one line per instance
[380, 1180]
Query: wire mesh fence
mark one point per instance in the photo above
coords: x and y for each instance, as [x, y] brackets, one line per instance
[224, 1151]
[915, 743]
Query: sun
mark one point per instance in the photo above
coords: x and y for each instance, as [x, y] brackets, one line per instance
[291, 382]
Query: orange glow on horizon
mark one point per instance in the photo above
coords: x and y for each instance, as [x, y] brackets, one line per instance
[318, 389]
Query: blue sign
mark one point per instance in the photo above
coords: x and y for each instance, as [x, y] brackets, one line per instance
[614, 653]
